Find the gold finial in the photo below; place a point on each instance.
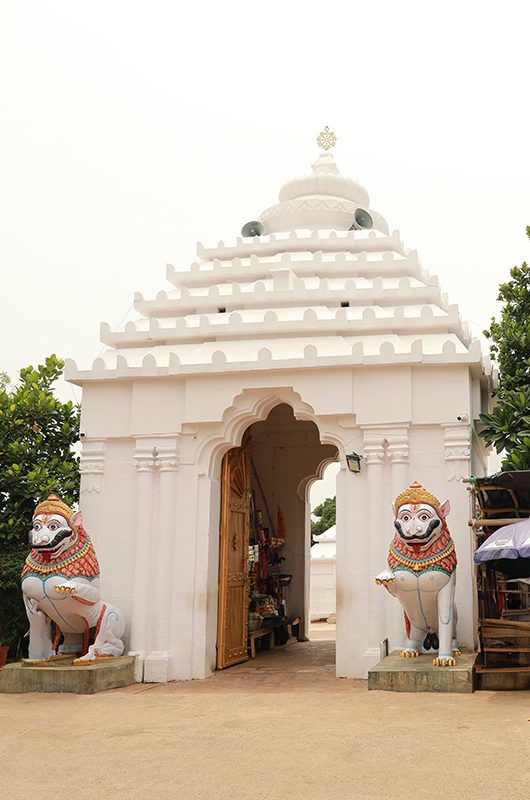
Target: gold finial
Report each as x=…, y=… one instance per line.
x=326, y=139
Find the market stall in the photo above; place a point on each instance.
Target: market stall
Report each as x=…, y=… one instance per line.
x=501, y=525
x=268, y=583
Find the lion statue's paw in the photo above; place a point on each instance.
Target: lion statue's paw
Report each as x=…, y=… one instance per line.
x=444, y=661
x=65, y=588
x=384, y=577
x=409, y=653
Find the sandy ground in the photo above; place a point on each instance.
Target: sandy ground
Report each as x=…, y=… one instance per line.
x=278, y=727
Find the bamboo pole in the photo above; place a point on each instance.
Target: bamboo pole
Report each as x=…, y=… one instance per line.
x=487, y=523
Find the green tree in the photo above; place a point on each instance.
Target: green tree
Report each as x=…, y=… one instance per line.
x=510, y=337
x=507, y=427
x=37, y=435
x=326, y=512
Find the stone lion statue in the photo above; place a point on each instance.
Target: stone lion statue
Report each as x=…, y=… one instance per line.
x=60, y=583
x=422, y=574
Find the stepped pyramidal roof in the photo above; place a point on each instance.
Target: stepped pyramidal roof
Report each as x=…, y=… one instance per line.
x=324, y=284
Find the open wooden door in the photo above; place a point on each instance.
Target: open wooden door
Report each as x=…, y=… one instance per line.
x=233, y=559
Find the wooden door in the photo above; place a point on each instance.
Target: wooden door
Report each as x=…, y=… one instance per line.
x=233, y=559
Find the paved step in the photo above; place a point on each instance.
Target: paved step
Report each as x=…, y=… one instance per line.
x=61, y=677
x=396, y=674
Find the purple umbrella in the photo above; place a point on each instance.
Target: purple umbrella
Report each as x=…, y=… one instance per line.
x=510, y=541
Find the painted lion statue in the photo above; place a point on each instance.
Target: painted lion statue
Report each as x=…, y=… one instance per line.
x=60, y=583
x=422, y=574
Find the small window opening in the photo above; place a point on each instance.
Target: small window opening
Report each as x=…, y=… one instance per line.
x=346, y=304
x=221, y=310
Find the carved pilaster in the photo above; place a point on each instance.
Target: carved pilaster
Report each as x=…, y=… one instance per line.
x=167, y=461
x=92, y=466
x=374, y=447
x=145, y=461
x=374, y=459
x=398, y=446
x=457, y=450
x=157, y=464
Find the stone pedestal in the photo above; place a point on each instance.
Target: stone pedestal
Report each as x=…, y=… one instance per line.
x=396, y=674
x=20, y=678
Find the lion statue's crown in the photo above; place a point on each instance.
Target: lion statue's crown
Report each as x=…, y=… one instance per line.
x=416, y=494
x=54, y=505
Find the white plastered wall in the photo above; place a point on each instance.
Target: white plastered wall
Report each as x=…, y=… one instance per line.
x=151, y=463
x=323, y=582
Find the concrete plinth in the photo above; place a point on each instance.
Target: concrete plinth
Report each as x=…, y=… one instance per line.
x=21, y=678
x=396, y=674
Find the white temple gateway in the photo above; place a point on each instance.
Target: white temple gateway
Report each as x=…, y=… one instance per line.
x=270, y=357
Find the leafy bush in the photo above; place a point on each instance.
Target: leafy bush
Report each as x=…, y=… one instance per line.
x=37, y=434
x=507, y=428
x=326, y=512
x=510, y=337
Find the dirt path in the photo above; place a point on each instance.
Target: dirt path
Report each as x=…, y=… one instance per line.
x=268, y=730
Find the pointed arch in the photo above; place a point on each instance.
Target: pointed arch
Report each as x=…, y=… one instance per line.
x=255, y=405
x=304, y=487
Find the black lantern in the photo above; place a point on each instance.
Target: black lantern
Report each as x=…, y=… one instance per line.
x=353, y=461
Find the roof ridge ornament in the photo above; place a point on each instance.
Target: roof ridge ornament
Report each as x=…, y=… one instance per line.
x=326, y=139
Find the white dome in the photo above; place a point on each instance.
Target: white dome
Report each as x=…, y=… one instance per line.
x=324, y=200
x=325, y=180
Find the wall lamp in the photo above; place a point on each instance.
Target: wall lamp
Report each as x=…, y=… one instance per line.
x=353, y=461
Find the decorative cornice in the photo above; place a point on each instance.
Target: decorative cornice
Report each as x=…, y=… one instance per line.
x=306, y=321
x=284, y=287
x=313, y=203
x=293, y=213
x=297, y=241
x=222, y=357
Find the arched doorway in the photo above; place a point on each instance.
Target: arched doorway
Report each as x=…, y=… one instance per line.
x=323, y=583
x=265, y=531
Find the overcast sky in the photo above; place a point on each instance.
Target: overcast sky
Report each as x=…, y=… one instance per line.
x=130, y=130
